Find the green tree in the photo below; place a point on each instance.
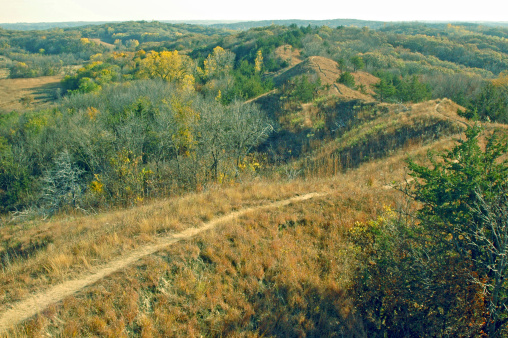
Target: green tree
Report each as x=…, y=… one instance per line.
x=442, y=271
x=347, y=79
x=357, y=62
x=385, y=90
x=465, y=204
x=413, y=90
x=341, y=64
x=491, y=103
x=301, y=89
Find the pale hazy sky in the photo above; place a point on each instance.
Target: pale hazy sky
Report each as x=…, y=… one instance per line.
x=121, y=10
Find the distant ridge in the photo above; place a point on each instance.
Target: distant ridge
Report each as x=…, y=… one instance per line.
x=28, y=26
x=242, y=25
x=333, y=23
x=245, y=25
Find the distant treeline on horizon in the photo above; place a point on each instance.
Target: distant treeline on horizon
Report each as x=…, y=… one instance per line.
x=238, y=25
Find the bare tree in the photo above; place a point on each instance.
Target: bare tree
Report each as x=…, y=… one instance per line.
x=61, y=184
x=490, y=236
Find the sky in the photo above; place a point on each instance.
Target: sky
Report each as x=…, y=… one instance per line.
x=13, y=11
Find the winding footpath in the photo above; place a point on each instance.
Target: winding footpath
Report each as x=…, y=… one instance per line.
x=38, y=302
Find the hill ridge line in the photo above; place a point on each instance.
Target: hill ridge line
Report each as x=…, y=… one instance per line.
x=38, y=302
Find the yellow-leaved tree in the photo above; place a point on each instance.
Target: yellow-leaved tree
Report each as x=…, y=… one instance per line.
x=219, y=63
x=166, y=65
x=186, y=118
x=258, y=63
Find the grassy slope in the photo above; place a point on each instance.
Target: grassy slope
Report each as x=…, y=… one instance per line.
x=41, y=89
x=381, y=130
x=230, y=280
x=269, y=272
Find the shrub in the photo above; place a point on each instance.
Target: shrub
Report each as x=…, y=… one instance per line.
x=347, y=79
x=464, y=209
x=443, y=272
x=62, y=185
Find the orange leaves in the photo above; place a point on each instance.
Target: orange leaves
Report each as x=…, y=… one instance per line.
x=92, y=113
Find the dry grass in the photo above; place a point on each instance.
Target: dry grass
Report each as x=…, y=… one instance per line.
x=288, y=53
x=273, y=272
x=382, y=133
x=73, y=245
x=40, y=89
x=366, y=79
x=328, y=72
x=270, y=272
x=102, y=43
x=4, y=73
x=243, y=278
x=279, y=271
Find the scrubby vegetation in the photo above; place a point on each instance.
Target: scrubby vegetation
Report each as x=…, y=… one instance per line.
x=441, y=270
x=156, y=128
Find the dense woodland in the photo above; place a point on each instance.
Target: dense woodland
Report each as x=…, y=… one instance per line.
x=149, y=109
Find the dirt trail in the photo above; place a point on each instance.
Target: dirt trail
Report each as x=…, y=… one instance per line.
x=38, y=302
x=436, y=109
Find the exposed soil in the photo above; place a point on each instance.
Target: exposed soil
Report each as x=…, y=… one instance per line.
x=100, y=42
x=328, y=72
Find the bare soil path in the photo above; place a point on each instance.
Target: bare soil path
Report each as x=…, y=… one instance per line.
x=38, y=302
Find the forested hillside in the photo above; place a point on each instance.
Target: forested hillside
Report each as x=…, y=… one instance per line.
x=145, y=111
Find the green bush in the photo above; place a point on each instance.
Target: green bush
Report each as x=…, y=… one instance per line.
x=464, y=209
x=14, y=180
x=441, y=272
x=347, y=79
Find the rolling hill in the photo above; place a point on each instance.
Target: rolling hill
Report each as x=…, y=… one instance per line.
x=206, y=182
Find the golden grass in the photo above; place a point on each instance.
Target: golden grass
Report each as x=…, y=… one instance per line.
x=79, y=243
x=4, y=73
x=380, y=134
x=267, y=272
x=41, y=89
x=214, y=272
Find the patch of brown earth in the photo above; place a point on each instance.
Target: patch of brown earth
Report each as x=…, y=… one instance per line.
x=328, y=72
x=288, y=53
x=100, y=42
